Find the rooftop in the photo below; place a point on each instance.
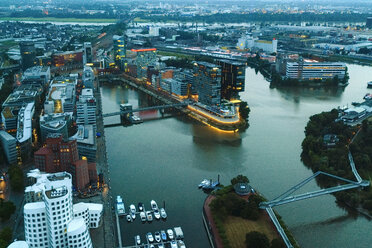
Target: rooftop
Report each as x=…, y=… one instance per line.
x=34, y=205
x=75, y=224
x=55, y=193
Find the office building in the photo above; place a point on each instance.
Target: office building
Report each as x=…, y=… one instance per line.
x=119, y=50
x=28, y=54
x=51, y=221
x=144, y=59
x=9, y=144
x=207, y=79
x=86, y=108
x=179, y=87
x=55, y=124
x=61, y=96
x=88, y=53
x=232, y=79
x=86, y=142
x=9, y=117
x=311, y=69
x=88, y=77
x=80, y=173
x=57, y=155
x=249, y=42
x=68, y=57
x=24, y=129
x=36, y=74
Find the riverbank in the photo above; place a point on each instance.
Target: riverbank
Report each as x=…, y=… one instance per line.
x=55, y=19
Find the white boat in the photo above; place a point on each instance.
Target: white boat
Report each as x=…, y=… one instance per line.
x=204, y=183
x=150, y=238
x=157, y=237
x=143, y=216
x=137, y=239
x=119, y=205
x=129, y=218
x=148, y=215
x=154, y=206
x=181, y=244
x=163, y=213
x=132, y=209
x=157, y=214
x=170, y=233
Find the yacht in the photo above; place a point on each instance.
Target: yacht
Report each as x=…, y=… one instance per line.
x=119, y=205
x=154, y=206
x=170, y=233
x=143, y=216
x=132, y=209
x=163, y=213
x=157, y=214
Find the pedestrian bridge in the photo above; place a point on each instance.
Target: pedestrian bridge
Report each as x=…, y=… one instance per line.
x=287, y=196
x=123, y=112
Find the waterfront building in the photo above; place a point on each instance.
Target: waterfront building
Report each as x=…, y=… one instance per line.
x=207, y=79
x=36, y=75
x=86, y=108
x=144, y=59
x=50, y=220
x=88, y=77
x=9, y=144
x=179, y=87
x=86, y=142
x=55, y=123
x=28, y=54
x=88, y=53
x=232, y=79
x=61, y=96
x=119, y=50
x=311, y=69
x=249, y=42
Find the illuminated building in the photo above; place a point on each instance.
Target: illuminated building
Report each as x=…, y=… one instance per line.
x=248, y=42
x=119, y=50
x=69, y=57
x=52, y=220
x=232, y=79
x=9, y=144
x=207, y=79
x=88, y=53
x=55, y=123
x=28, y=54
x=311, y=69
x=145, y=58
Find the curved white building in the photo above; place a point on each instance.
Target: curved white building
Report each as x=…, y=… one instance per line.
x=78, y=234
x=19, y=244
x=35, y=221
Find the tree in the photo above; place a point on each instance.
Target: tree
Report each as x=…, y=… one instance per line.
x=6, y=235
x=277, y=243
x=6, y=209
x=256, y=240
x=239, y=179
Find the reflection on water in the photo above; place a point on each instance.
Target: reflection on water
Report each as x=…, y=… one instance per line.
x=205, y=135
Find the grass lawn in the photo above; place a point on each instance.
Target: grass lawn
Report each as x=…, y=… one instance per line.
x=236, y=229
x=53, y=19
x=138, y=19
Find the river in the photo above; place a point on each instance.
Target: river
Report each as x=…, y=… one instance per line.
x=165, y=159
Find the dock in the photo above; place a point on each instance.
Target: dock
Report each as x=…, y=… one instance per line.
x=118, y=230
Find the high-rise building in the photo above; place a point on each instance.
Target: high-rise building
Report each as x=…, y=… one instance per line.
x=9, y=146
x=119, y=50
x=207, y=79
x=88, y=53
x=232, y=79
x=28, y=54
x=86, y=108
x=51, y=220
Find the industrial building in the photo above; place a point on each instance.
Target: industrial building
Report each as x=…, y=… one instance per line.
x=207, y=79
x=249, y=42
x=312, y=69
x=52, y=220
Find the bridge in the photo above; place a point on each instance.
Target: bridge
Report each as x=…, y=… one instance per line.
x=287, y=196
x=176, y=105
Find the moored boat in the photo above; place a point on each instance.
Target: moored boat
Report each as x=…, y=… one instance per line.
x=154, y=205
x=143, y=216
x=120, y=209
x=157, y=214
x=163, y=213
x=149, y=216
x=132, y=209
